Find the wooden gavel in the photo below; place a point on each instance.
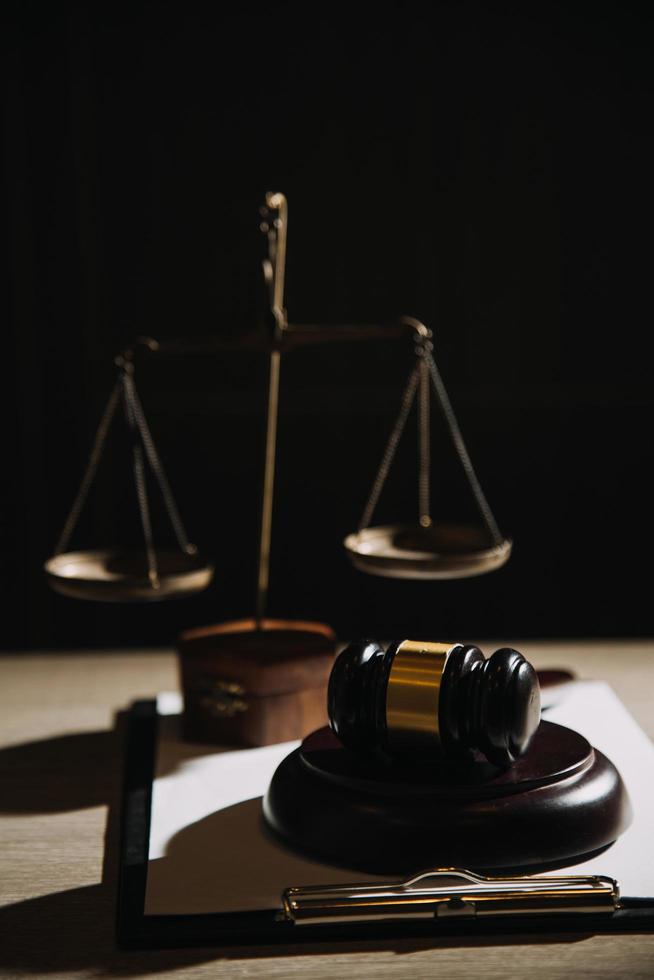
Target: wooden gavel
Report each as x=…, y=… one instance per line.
x=443, y=698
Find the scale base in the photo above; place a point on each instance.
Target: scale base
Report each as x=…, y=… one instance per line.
x=255, y=684
x=562, y=800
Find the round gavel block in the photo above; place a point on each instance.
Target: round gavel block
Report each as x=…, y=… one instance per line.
x=559, y=802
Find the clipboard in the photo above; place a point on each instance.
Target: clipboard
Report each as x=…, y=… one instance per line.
x=265, y=926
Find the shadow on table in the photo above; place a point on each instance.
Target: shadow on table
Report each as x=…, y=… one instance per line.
x=71, y=772
x=75, y=929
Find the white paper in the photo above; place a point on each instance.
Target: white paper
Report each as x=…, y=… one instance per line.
x=209, y=850
x=592, y=709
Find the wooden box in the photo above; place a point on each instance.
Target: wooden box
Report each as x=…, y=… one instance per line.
x=251, y=686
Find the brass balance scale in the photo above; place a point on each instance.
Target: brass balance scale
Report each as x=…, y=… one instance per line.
x=426, y=549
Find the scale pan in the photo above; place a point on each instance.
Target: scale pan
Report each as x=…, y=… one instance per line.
x=122, y=576
x=443, y=551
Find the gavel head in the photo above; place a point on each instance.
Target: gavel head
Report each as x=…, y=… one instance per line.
x=442, y=698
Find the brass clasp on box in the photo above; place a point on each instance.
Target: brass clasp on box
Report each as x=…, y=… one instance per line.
x=222, y=699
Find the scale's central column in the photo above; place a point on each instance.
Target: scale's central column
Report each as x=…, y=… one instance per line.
x=274, y=269
x=263, y=573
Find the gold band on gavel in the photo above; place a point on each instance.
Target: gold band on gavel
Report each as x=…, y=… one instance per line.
x=413, y=691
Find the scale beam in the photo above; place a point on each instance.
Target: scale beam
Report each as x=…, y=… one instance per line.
x=423, y=550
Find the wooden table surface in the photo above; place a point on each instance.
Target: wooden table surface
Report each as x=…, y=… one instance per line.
x=60, y=770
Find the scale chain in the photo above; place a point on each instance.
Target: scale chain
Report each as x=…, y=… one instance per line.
x=391, y=446
x=159, y=472
x=91, y=469
x=459, y=444
x=424, y=446
x=139, y=478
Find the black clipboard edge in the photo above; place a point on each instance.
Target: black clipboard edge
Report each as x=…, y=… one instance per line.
x=262, y=928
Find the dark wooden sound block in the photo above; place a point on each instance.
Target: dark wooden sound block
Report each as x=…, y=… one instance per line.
x=559, y=802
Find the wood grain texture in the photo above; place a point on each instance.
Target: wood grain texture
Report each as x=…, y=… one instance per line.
x=60, y=767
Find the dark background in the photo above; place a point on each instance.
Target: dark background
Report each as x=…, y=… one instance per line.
x=483, y=166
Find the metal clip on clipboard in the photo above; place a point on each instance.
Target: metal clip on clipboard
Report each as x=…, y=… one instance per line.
x=464, y=895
